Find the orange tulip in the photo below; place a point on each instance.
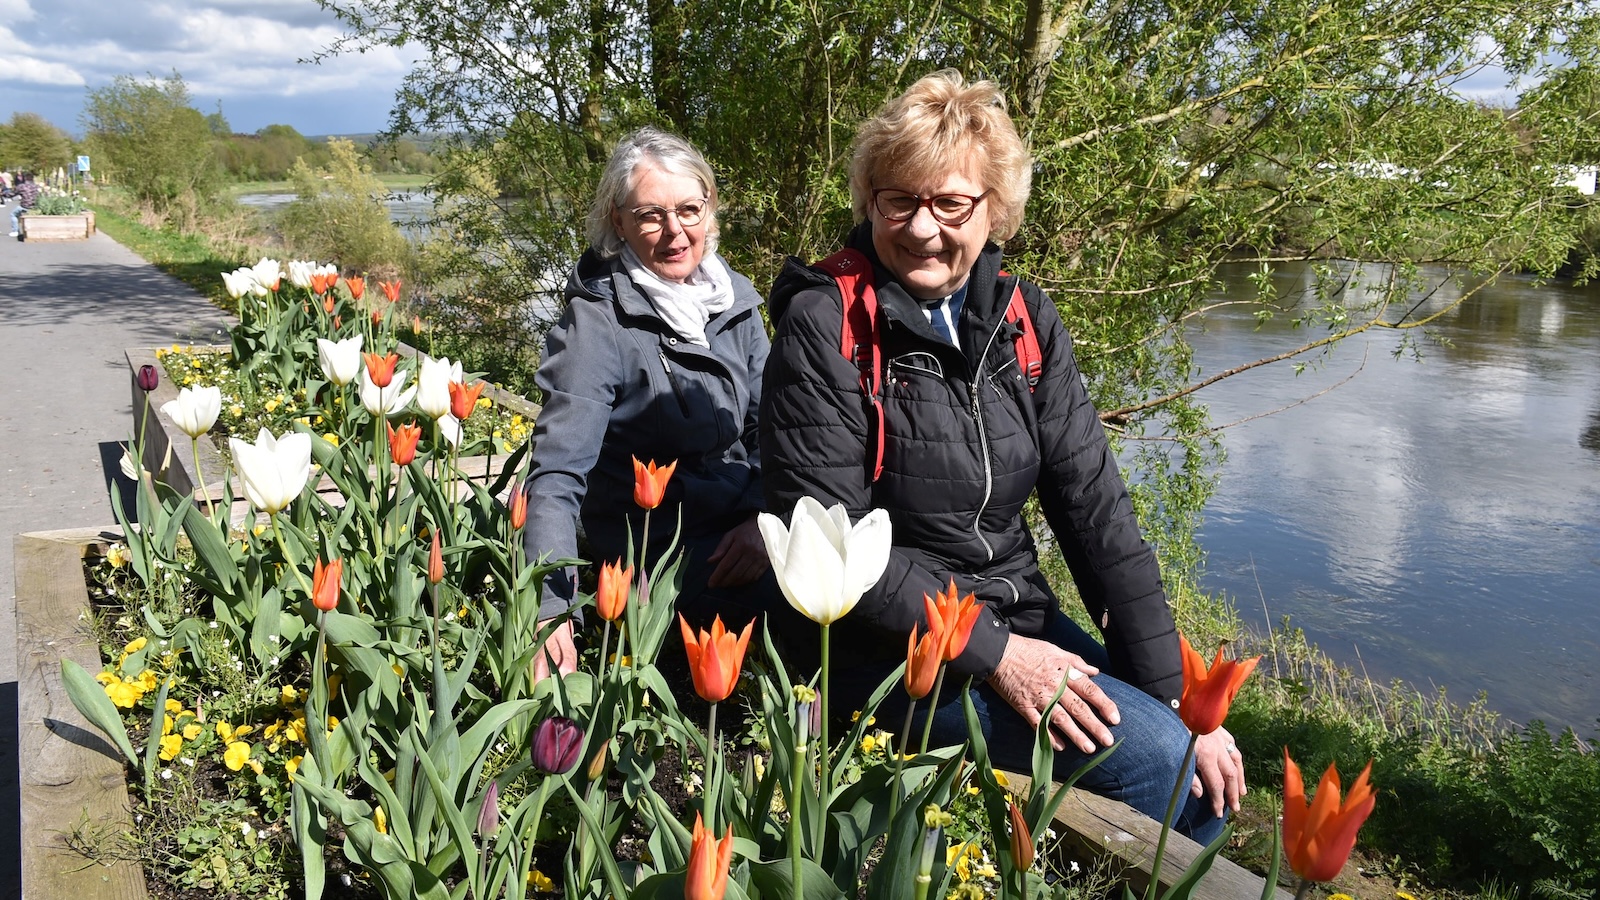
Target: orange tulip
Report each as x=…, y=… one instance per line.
x=403, y=443
x=922, y=662
x=952, y=620
x=323, y=283
x=357, y=286
x=612, y=596
x=463, y=399
x=325, y=584
x=377, y=318
x=380, y=369
x=391, y=290
x=1318, y=839
x=650, y=482
x=707, y=878
x=1021, y=840
x=435, y=560
x=714, y=658
x=1207, y=694
x=327, y=304
x=338, y=321
x=519, y=508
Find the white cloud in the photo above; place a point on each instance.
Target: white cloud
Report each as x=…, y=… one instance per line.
x=37, y=72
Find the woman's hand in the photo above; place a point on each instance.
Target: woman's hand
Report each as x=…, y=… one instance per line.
x=558, y=654
x=740, y=558
x=1030, y=670
x=1218, y=770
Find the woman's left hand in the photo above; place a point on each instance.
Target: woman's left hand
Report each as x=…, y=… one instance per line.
x=740, y=558
x=1218, y=771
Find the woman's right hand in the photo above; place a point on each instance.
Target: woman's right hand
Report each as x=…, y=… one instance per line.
x=559, y=654
x=1028, y=675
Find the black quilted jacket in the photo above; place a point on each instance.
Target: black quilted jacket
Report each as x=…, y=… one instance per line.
x=967, y=443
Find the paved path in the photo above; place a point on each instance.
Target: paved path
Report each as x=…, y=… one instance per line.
x=67, y=312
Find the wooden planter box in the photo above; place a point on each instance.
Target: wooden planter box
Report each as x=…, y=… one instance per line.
x=77, y=227
x=73, y=784
x=167, y=452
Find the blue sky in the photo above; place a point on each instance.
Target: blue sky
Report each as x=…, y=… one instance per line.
x=241, y=53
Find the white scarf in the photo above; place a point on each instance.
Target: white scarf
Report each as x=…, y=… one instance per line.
x=685, y=307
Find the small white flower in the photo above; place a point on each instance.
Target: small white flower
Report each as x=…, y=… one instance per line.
x=213, y=625
x=186, y=760
x=166, y=774
x=244, y=828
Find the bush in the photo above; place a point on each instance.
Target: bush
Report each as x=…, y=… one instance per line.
x=58, y=205
x=339, y=214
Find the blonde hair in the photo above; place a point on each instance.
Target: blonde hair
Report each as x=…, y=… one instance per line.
x=647, y=146
x=942, y=125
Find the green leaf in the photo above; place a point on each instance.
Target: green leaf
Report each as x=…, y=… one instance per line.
x=775, y=878
x=1185, y=885
x=212, y=550
x=91, y=700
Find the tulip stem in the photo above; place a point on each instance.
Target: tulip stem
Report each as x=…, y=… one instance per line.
x=288, y=555
x=899, y=763
x=797, y=779
x=712, y=757
x=1304, y=890
x=933, y=707
x=826, y=752
x=194, y=449
x=1166, y=823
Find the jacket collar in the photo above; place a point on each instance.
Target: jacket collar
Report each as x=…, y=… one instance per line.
x=982, y=310
x=598, y=278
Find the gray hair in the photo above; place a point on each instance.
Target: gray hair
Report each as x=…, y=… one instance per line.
x=667, y=152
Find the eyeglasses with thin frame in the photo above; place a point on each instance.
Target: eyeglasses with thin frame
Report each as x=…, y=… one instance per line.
x=651, y=219
x=896, y=205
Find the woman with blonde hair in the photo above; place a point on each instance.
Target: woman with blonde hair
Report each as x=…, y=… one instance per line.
x=966, y=417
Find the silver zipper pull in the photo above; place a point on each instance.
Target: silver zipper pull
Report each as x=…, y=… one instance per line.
x=666, y=366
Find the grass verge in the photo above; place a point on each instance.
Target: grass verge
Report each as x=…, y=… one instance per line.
x=194, y=259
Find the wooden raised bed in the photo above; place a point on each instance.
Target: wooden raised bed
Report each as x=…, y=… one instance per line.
x=73, y=785
x=167, y=452
x=76, y=227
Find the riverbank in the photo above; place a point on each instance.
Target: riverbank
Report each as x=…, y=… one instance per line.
x=1458, y=790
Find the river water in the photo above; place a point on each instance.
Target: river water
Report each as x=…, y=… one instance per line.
x=1441, y=517
x=407, y=208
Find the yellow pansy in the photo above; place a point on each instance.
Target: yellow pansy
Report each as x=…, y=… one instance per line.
x=271, y=405
x=1000, y=778
x=147, y=680
x=166, y=724
x=175, y=707
x=985, y=871
x=118, y=555
x=106, y=677
x=236, y=410
x=869, y=744
x=540, y=882
x=236, y=755
x=191, y=731
x=123, y=693
x=288, y=696
x=171, y=746
x=292, y=765
x=331, y=438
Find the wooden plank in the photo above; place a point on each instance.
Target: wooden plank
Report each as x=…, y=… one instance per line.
x=72, y=780
x=1093, y=827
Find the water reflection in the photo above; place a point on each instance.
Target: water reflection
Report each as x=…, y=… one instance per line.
x=1443, y=513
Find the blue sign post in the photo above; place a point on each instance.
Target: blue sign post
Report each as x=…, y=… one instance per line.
x=83, y=164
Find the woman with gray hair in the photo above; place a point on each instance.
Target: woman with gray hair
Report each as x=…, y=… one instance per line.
x=658, y=355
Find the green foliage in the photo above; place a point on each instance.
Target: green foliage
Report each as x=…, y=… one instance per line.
x=53, y=204
x=30, y=142
x=148, y=137
x=339, y=214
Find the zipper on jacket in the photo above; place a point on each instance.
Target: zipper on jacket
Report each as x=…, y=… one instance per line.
x=677, y=390
x=976, y=392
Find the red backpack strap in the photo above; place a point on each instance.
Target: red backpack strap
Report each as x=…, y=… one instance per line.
x=859, y=339
x=1029, y=359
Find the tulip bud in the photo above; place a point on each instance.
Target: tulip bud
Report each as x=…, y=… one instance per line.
x=327, y=304
x=1021, y=841
x=934, y=821
x=557, y=741
x=489, y=815
x=325, y=585
x=435, y=560
x=519, y=508
x=403, y=443
x=148, y=378
x=597, y=766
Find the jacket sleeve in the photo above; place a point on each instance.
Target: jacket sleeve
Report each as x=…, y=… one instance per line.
x=1086, y=504
x=579, y=379
x=758, y=348
x=814, y=434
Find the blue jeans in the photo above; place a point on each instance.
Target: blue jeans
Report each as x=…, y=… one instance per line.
x=1140, y=772
x=16, y=213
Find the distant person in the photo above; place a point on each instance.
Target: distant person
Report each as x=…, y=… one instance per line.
x=27, y=198
x=5, y=183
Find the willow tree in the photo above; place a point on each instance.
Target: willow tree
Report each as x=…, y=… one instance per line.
x=1170, y=138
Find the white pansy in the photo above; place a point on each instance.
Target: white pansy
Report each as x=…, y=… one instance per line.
x=274, y=470
x=340, y=360
x=433, y=386
x=195, y=410
x=823, y=563
x=385, y=401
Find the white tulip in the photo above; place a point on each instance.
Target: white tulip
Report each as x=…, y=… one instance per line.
x=300, y=272
x=433, y=386
x=274, y=470
x=268, y=273
x=340, y=360
x=195, y=410
x=823, y=564
x=238, y=282
x=450, y=427
x=385, y=401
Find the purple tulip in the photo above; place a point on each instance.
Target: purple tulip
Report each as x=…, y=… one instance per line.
x=489, y=815
x=557, y=741
x=148, y=378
